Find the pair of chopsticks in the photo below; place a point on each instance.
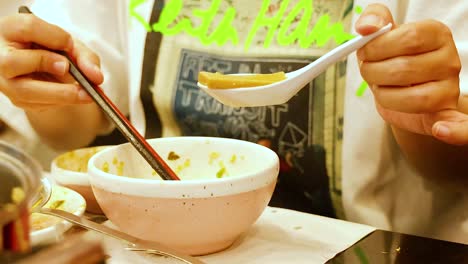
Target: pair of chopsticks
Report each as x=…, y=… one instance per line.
x=122, y=123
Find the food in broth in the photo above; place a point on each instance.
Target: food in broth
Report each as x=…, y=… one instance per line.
x=179, y=164
x=172, y=156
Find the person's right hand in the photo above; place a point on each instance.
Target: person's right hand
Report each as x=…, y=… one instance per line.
x=413, y=72
x=32, y=76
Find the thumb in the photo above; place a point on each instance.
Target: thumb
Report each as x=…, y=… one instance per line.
x=455, y=133
x=373, y=18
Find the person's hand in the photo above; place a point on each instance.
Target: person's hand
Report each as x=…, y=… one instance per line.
x=32, y=76
x=413, y=72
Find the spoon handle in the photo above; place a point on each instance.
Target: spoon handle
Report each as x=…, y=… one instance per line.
x=135, y=243
x=312, y=70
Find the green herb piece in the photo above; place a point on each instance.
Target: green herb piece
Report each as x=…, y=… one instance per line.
x=233, y=158
x=173, y=156
x=57, y=204
x=221, y=172
x=213, y=156
x=105, y=167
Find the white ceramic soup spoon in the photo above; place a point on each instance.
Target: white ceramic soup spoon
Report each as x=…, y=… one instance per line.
x=280, y=92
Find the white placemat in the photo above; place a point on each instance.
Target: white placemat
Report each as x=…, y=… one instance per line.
x=279, y=236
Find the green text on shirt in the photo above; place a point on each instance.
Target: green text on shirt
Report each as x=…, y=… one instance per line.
x=278, y=24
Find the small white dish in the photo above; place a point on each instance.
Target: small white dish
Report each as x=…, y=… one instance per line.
x=47, y=229
x=280, y=92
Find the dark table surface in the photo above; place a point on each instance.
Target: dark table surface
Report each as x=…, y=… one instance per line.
x=384, y=247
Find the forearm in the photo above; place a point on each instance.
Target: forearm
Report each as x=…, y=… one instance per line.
x=68, y=127
x=437, y=161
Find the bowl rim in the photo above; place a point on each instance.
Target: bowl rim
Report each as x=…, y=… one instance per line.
x=57, y=172
x=72, y=177
x=210, y=187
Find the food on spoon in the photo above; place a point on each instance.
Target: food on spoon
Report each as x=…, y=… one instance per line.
x=221, y=81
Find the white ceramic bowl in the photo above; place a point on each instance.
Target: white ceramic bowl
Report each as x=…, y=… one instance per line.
x=226, y=184
x=70, y=170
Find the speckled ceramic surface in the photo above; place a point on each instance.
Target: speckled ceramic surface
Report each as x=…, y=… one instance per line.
x=226, y=184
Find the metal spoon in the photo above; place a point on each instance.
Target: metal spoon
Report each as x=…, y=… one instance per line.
x=135, y=244
x=281, y=92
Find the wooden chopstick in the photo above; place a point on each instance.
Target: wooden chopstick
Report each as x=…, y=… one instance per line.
x=122, y=123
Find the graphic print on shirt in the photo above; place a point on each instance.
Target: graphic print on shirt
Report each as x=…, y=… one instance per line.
x=152, y=46
x=306, y=132
x=296, y=130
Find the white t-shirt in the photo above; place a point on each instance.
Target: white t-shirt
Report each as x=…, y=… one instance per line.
x=325, y=131
x=379, y=187
x=306, y=143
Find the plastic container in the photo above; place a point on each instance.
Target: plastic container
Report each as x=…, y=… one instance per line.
x=19, y=182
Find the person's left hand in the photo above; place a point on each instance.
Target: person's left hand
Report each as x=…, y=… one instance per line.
x=35, y=78
x=413, y=72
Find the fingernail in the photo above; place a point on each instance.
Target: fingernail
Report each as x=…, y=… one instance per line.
x=97, y=69
x=60, y=67
x=83, y=95
x=371, y=20
x=442, y=131
x=91, y=66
